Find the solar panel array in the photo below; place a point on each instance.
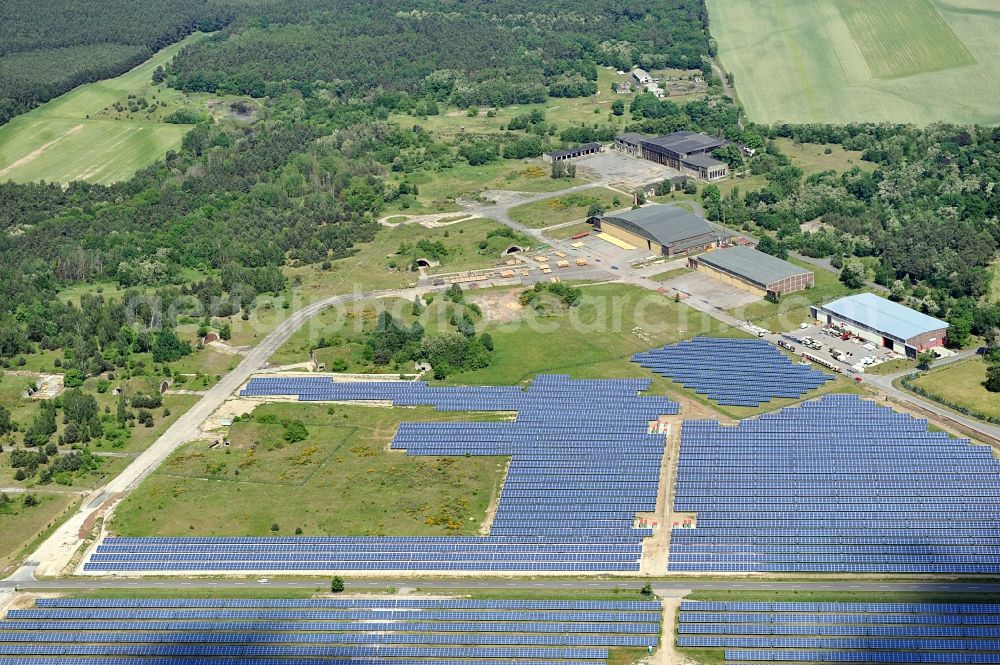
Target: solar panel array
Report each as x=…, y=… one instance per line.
x=371, y=630
x=843, y=632
x=837, y=484
x=733, y=372
x=583, y=463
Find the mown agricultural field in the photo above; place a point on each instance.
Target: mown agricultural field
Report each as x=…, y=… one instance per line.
x=838, y=61
x=78, y=136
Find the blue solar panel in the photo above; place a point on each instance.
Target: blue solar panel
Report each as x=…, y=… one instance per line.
x=837, y=484
x=843, y=632
x=576, y=479
x=733, y=372
x=388, y=631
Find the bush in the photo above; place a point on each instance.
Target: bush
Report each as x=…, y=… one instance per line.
x=183, y=117
x=336, y=584
x=295, y=431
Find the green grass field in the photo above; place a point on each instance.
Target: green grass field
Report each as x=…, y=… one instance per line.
x=73, y=137
x=566, y=208
x=369, y=268
x=594, y=340
x=341, y=480
x=903, y=37
x=22, y=524
x=962, y=383
x=994, y=294
x=842, y=61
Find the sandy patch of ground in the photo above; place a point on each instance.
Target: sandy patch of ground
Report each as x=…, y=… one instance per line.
x=499, y=307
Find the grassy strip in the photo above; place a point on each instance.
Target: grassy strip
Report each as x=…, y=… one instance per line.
x=670, y=274
x=910, y=383
x=624, y=593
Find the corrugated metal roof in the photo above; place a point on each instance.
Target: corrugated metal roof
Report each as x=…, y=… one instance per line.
x=685, y=142
x=752, y=264
x=885, y=316
x=663, y=224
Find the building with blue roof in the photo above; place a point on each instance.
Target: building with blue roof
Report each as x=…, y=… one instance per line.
x=883, y=322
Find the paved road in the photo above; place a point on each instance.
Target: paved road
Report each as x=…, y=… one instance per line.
x=55, y=552
x=662, y=586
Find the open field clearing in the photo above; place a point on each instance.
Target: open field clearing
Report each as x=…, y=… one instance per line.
x=841, y=61
x=902, y=37
x=962, y=383
x=73, y=137
x=20, y=524
x=378, y=265
x=566, y=208
x=340, y=480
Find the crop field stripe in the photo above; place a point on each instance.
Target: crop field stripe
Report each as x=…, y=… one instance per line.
x=899, y=38
x=843, y=61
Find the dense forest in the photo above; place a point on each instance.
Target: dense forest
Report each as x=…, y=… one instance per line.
x=486, y=53
x=48, y=48
x=469, y=52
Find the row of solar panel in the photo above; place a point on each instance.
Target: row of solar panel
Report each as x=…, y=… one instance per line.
x=885, y=643
x=835, y=607
x=368, y=638
x=384, y=651
x=733, y=655
x=813, y=567
x=326, y=540
x=485, y=547
x=206, y=564
x=862, y=630
x=366, y=602
x=886, y=548
x=680, y=540
x=193, y=660
x=374, y=557
x=396, y=626
x=792, y=619
x=342, y=615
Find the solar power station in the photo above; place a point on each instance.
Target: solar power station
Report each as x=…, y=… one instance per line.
x=837, y=484
x=583, y=463
x=733, y=372
x=843, y=632
x=355, y=631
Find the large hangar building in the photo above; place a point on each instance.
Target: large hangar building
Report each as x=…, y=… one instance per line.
x=883, y=322
x=663, y=229
x=754, y=271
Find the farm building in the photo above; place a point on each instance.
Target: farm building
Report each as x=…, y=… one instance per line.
x=573, y=153
x=642, y=76
x=884, y=322
x=754, y=271
x=686, y=151
x=663, y=229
